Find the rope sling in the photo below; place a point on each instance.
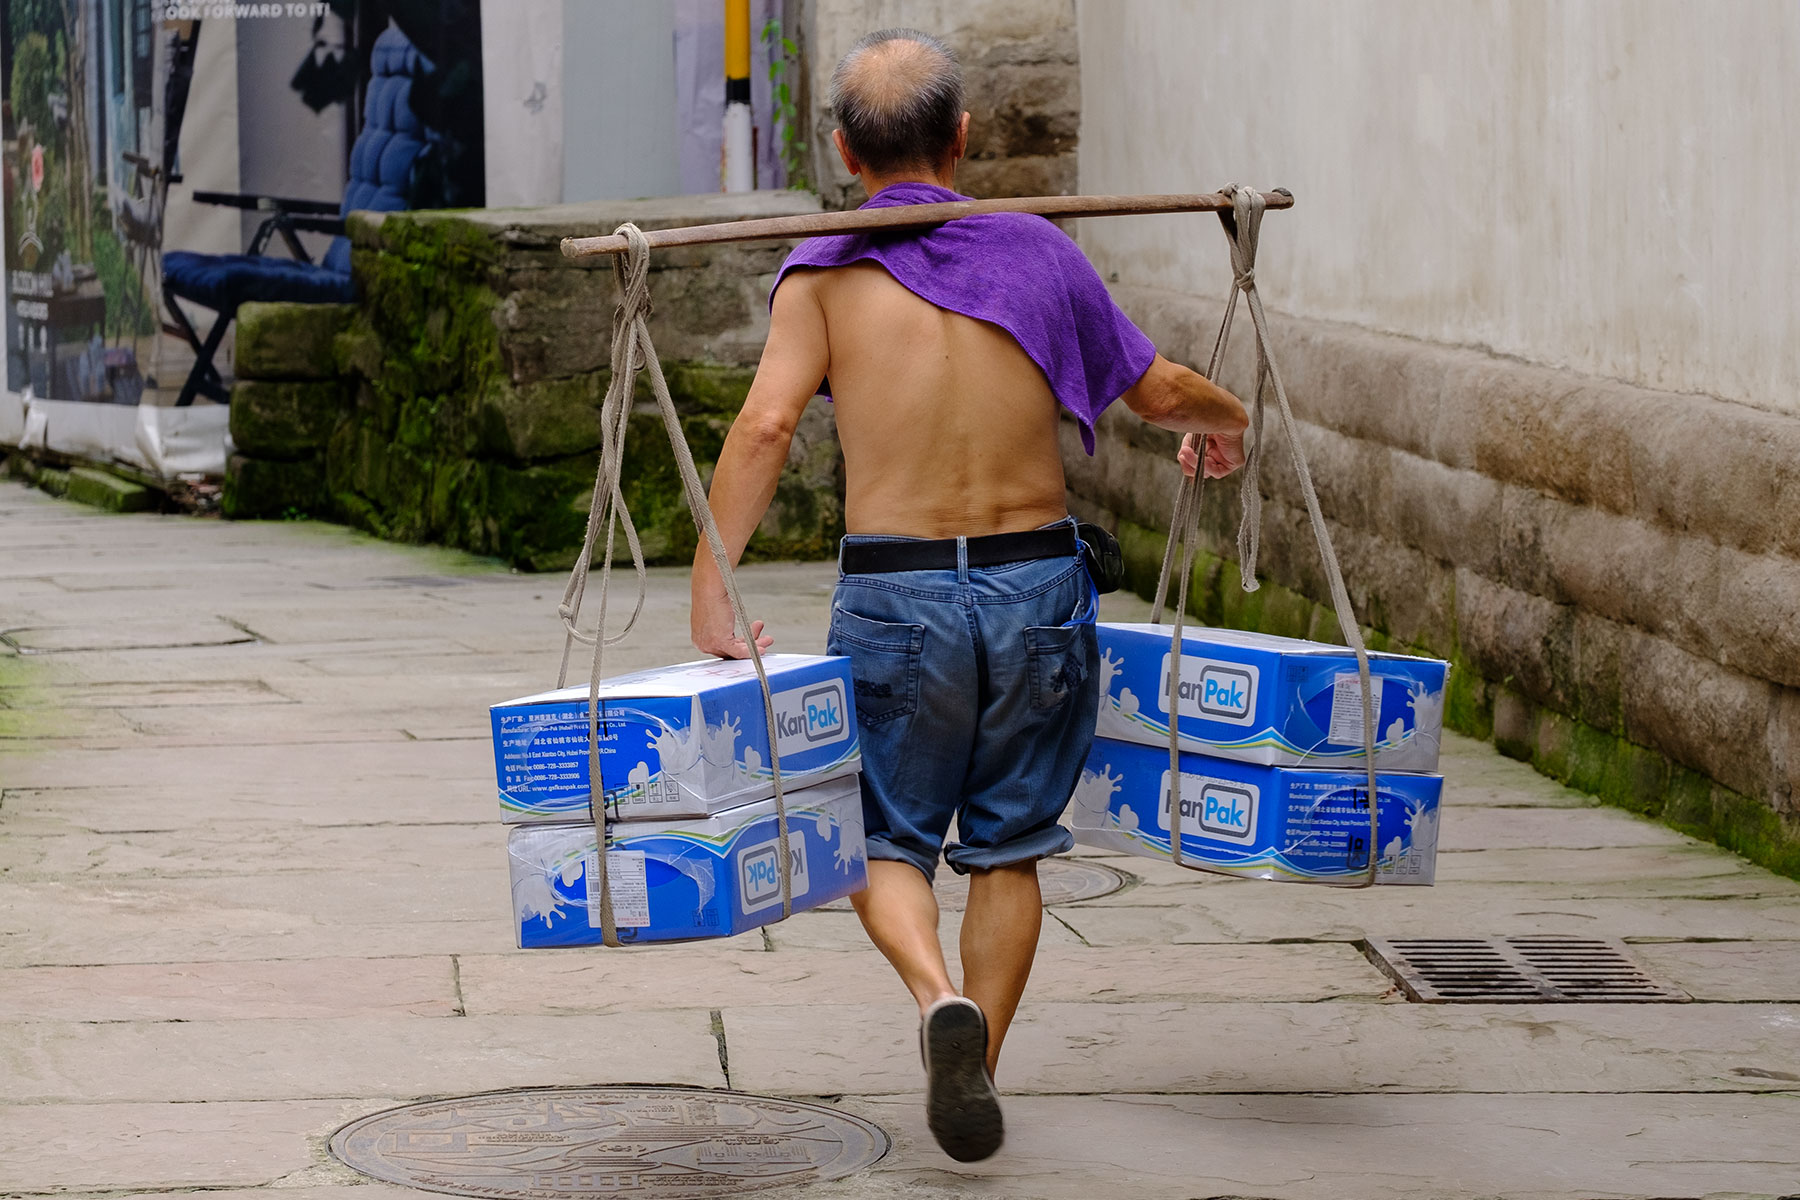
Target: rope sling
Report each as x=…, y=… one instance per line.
x=633, y=352
x=1243, y=225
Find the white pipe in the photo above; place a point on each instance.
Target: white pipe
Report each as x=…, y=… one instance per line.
x=740, y=166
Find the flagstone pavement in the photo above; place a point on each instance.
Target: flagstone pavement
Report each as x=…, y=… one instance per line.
x=252, y=886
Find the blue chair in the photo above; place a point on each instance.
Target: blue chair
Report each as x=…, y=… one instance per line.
x=385, y=162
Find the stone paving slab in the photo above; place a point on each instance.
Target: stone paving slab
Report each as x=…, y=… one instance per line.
x=1279, y=1047
x=354, y=767
x=254, y=990
x=1491, y=828
x=1518, y=1146
x=243, y=847
x=1246, y=912
x=162, y=1146
x=729, y=977
x=1729, y=971
x=242, y=903
x=124, y=809
x=1618, y=864
x=50, y=1062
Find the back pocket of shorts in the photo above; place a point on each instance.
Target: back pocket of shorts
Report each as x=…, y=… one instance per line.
x=884, y=664
x=1058, y=656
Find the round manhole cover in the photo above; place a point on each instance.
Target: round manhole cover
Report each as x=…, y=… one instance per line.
x=649, y=1142
x=1066, y=880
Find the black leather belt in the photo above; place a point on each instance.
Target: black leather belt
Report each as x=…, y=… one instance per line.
x=939, y=554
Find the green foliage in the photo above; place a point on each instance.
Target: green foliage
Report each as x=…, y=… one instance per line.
x=36, y=73
x=120, y=280
x=783, y=54
x=45, y=18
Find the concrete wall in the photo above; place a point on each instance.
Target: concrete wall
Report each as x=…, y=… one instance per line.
x=1613, y=565
x=1019, y=58
x=1608, y=187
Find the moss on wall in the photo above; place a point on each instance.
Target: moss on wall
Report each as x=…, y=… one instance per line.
x=1588, y=759
x=415, y=429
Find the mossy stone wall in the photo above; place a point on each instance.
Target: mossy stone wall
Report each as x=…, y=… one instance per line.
x=1614, y=574
x=457, y=401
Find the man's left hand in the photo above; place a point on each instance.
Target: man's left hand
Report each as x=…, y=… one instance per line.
x=715, y=631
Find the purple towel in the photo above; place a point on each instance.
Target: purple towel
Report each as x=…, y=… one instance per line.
x=1013, y=270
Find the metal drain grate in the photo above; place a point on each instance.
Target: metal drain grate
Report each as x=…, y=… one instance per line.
x=1537, y=969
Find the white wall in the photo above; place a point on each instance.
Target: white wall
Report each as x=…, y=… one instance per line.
x=522, y=101
x=1611, y=187
x=623, y=139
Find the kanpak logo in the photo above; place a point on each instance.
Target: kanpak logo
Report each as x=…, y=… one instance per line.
x=810, y=716
x=759, y=873
x=1216, y=808
x=1212, y=690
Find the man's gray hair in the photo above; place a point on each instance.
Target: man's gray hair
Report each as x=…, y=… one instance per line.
x=898, y=96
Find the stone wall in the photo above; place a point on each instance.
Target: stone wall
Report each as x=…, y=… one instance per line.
x=1022, y=67
x=458, y=400
x=1614, y=572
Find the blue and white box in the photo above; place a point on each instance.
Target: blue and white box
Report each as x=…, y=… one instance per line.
x=681, y=741
x=1280, y=701
x=1255, y=821
x=677, y=880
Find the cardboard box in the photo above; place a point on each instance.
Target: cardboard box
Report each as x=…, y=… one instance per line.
x=680, y=741
x=1256, y=821
x=1272, y=700
x=677, y=880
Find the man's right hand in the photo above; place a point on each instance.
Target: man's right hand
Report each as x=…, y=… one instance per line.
x=1224, y=454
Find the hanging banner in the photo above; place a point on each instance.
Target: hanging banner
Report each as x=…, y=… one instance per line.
x=165, y=163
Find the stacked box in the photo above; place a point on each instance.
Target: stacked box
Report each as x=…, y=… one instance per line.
x=684, y=741
x=697, y=878
x=1261, y=822
x=1270, y=700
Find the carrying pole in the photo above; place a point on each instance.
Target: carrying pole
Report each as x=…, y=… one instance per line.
x=912, y=216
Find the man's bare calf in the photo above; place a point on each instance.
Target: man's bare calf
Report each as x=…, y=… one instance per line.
x=999, y=938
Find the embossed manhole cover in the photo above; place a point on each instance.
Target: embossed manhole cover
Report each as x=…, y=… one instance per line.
x=649, y=1142
x=1066, y=880
x=1062, y=881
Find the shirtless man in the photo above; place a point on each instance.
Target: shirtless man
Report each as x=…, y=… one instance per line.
x=963, y=603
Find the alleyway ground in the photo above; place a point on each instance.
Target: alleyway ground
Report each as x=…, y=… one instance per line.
x=252, y=885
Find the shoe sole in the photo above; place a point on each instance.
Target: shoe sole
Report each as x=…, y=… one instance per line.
x=961, y=1107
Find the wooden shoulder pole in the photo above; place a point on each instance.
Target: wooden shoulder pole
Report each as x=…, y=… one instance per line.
x=911, y=216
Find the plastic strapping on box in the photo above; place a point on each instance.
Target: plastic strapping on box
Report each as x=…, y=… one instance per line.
x=632, y=352
x=1243, y=223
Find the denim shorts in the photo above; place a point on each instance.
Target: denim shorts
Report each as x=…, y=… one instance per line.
x=976, y=693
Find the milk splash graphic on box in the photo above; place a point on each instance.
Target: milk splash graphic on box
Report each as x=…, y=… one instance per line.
x=1272, y=700
x=1260, y=822
x=694, y=878
x=686, y=740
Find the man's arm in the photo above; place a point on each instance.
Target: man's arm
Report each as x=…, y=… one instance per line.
x=794, y=360
x=1174, y=397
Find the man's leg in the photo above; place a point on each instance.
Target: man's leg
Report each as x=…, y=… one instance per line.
x=900, y=914
x=999, y=941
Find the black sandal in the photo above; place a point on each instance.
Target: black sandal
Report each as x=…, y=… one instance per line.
x=962, y=1108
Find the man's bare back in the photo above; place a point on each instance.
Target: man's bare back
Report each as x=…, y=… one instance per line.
x=948, y=427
